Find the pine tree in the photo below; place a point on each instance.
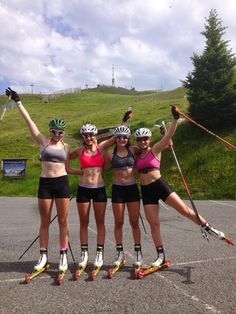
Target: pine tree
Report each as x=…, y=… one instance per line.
x=211, y=87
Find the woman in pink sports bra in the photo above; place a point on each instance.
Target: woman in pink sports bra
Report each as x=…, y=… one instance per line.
x=154, y=187
x=53, y=182
x=92, y=189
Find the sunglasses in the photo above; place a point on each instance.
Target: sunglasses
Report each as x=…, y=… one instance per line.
x=124, y=137
x=87, y=135
x=145, y=138
x=57, y=132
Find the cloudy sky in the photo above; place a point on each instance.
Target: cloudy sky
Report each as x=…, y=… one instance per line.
x=55, y=45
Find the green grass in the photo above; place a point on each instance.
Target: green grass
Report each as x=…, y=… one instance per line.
x=208, y=165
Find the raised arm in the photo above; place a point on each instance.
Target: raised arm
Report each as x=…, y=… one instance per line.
x=39, y=138
x=111, y=141
x=166, y=140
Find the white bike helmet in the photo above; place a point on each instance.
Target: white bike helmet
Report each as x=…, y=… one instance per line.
x=122, y=130
x=142, y=132
x=88, y=128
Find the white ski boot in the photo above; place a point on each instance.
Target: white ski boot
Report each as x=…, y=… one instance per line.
x=43, y=259
x=214, y=232
x=138, y=256
x=63, y=263
x=99, y=259
x=160, y=258
x=83, y=259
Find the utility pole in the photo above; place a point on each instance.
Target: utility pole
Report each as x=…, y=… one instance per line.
x=32, y=88
x=113, y=76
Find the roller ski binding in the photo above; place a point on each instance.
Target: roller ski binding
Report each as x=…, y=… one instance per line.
x=63, y=266
x=138, y=260
x=219, y=234
x=39, y=268
x=120, y=262
x=98, y=264
x=152, y=269
x=82, y=264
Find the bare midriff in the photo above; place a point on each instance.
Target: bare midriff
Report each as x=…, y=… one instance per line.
x=150, y=177
x=52, y=169
x=124, y=176
x=92, y=176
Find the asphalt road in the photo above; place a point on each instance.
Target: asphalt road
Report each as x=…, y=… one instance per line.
x=202, y=277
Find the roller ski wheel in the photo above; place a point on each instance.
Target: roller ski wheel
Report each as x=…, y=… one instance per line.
x=94, y=273
x=60, y=277
x=79, y=272
x=137, y=270
x=145, y=272
x=115, y=269
x=35, y=274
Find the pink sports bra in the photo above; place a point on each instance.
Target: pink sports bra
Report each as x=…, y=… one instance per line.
x=148, y=163
x=87, y=161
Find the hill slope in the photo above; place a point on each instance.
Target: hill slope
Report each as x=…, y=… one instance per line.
x=208, y=165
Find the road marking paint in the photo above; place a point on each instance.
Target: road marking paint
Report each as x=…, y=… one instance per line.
x=194, y=298
x=223, y=203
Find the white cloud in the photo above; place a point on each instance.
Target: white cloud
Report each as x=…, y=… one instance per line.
x=58, y=44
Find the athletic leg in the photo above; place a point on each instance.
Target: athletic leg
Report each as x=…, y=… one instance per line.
x=152, y=215
x=63, y=205
x=118, y=212
x=99, y=213
x=45, y=210
x=83, y=211
x=175, y=201
x=134, y=211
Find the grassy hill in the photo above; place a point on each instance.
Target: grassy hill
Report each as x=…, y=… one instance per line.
x=208, y=165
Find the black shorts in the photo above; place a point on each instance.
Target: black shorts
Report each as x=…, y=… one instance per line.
x=50, y=188
x=85, y=195
x=125, y=193
x=152, y=192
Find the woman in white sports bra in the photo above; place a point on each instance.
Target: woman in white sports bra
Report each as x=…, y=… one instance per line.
x=53, y=182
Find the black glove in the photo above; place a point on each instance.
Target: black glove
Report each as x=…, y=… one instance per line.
x=12, y=94
x=127, y=116
x=162, y=130
x=175, y=112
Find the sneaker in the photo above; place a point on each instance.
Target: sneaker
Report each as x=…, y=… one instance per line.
x=43, y=259
x=83, y=259
x=99, y=259
x=63, y=264
x=138, y=256
x=214, y=232
x=119, y=258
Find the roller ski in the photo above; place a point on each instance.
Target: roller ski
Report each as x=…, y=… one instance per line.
x=63, y=266
x=98, y=263
x=138, y=260
x=218, y=234
x=40, y=267
x=36, y=273
x=120, y=261
x=82, y=264
x=152, y=269
x=111, y=272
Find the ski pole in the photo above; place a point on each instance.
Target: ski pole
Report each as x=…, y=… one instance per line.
x=205, y=129
x=204, y=234
x=38, y=238
x=129, y=125
x=143, y=223
x=72, y=255
x=34, y=241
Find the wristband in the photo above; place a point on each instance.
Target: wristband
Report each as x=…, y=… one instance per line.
x=18, y=103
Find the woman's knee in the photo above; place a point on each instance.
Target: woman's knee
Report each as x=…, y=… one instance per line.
x=63, y=222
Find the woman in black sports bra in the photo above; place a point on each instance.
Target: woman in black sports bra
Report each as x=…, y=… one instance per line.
x=53, y=182
x=125, y=191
